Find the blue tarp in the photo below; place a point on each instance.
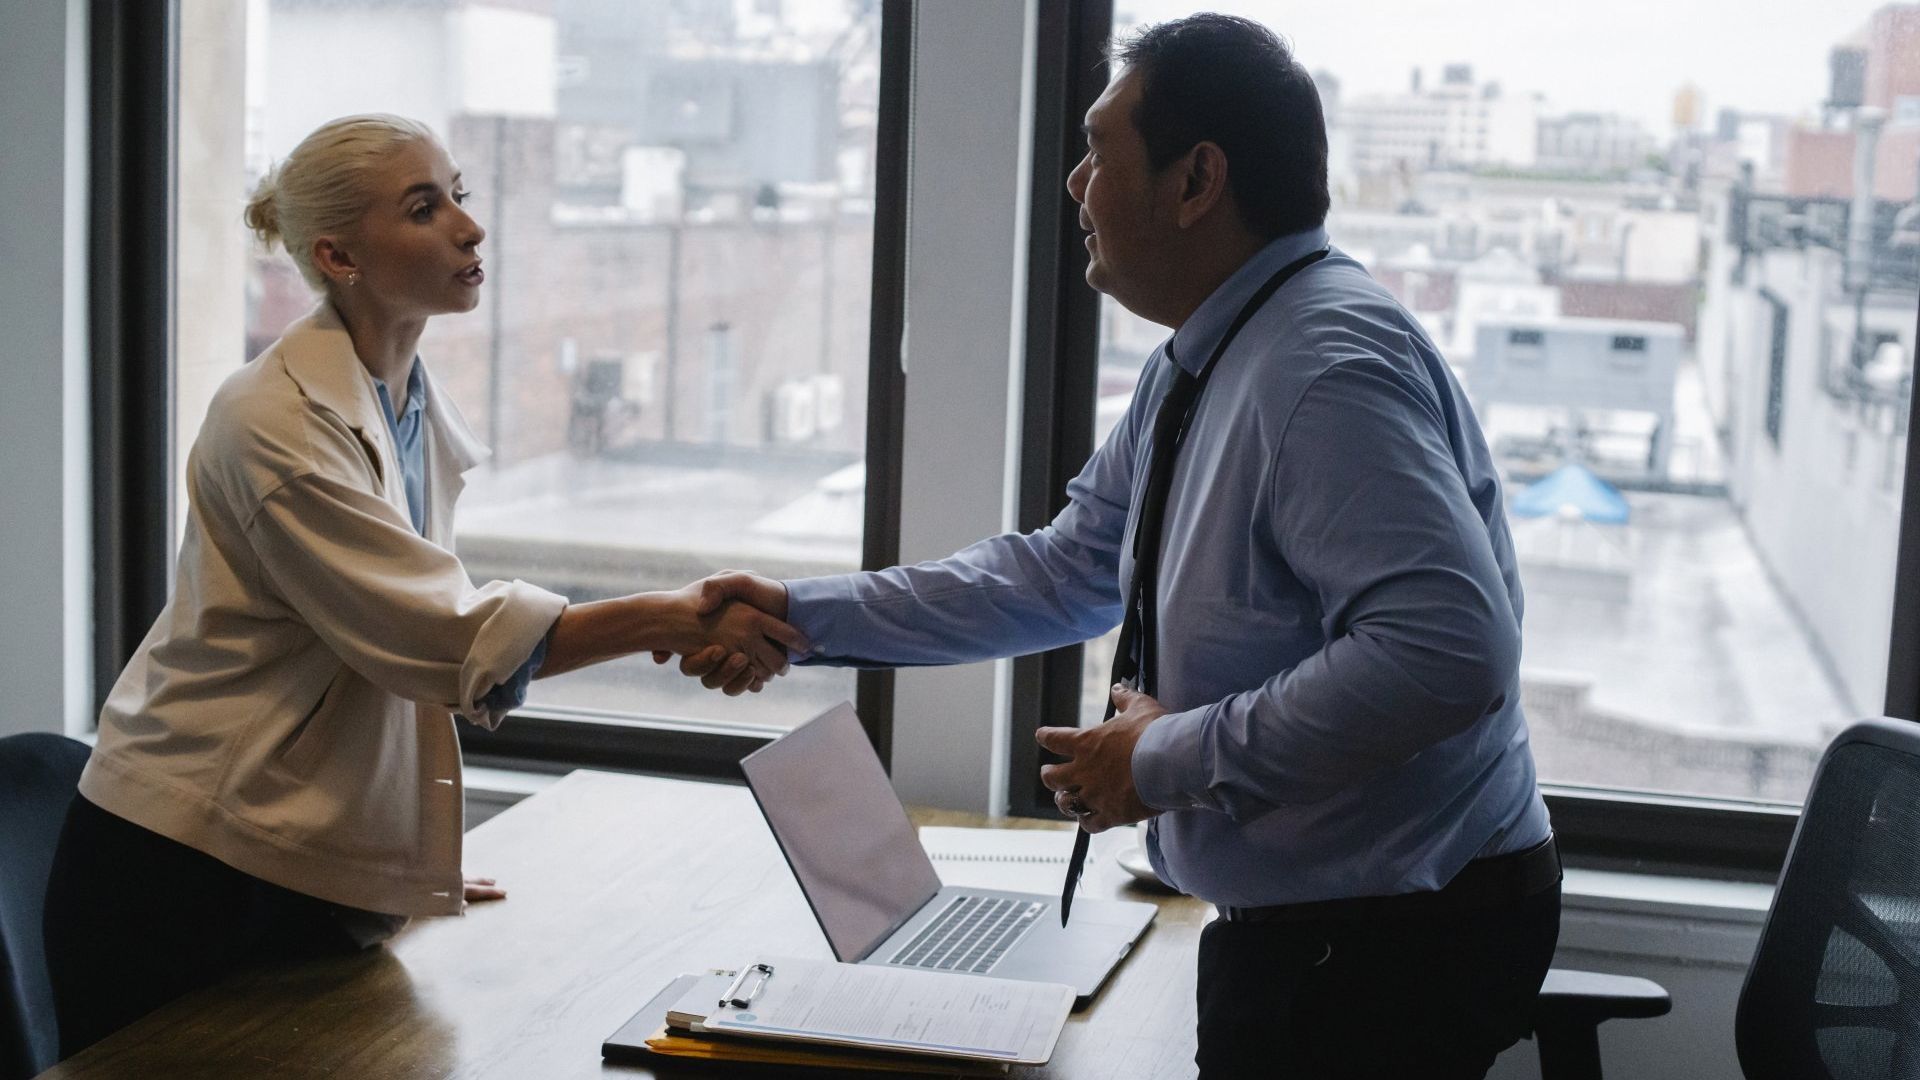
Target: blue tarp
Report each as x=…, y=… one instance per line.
x=1572, y=486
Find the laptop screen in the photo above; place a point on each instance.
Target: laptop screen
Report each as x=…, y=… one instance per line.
x=844, y=832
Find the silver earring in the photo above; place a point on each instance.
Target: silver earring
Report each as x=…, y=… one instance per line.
x=353, y=278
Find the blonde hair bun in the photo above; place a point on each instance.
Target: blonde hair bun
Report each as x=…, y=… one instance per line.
x=327, y=183
x=262, y=216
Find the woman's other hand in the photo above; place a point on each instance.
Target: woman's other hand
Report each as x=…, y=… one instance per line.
x=482, y=888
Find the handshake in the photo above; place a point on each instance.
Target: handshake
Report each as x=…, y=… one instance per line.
x=737, y=636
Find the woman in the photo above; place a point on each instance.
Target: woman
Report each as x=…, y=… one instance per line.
x=277, y=773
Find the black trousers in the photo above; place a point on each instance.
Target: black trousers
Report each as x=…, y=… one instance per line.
x=135, y=919
x=1435, y=997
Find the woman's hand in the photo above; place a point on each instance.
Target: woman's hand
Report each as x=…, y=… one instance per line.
x=715, y=666
x=748, y=643
x=482, y=888
x=755, y=643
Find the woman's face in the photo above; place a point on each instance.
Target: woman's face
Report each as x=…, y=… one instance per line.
x=415, y=248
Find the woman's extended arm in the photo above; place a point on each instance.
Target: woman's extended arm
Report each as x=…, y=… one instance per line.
x=600, y=630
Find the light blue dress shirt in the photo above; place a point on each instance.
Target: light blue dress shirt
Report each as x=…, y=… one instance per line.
x=406, y=431
x=1339, y=637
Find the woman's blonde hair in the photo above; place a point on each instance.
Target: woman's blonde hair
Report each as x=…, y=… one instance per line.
x=323, y=185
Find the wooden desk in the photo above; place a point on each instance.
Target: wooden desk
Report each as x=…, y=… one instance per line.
x=615, y=884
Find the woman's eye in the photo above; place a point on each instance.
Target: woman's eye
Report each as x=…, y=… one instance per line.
x=460, y=197
x=423, y=212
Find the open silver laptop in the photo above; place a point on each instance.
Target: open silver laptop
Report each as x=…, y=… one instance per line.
x=876, y=894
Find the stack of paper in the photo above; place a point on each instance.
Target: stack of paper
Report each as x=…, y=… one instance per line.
x=1018, y=860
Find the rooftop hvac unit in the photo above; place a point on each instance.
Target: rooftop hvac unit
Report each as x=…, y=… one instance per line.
x=796, y=413
x=830, y=399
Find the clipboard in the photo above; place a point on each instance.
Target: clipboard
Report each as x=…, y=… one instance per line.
x=647, y=1039
x=895, y=1010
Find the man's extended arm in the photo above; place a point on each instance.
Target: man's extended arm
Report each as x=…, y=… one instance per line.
x=1008, y=595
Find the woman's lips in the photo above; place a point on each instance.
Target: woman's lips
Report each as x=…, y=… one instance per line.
x=472, y=275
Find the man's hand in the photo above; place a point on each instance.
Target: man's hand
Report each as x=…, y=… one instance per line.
x=1095, y=784
x=715, y=666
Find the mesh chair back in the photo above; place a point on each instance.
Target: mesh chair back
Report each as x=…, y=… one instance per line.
x=38, y=776
x=1834, y=989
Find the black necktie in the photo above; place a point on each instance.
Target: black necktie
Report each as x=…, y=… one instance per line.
x=1133, y=655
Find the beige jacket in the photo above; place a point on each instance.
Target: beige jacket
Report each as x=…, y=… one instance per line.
x=291, y=711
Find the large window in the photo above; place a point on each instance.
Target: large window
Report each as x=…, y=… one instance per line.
x=1639, y=253
x=670, y=359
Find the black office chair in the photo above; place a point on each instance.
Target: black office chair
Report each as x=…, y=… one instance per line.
x=38, y=776
x=1833, y=992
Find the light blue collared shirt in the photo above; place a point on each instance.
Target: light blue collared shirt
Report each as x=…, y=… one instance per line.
x=1339, y=606
x=409, y=448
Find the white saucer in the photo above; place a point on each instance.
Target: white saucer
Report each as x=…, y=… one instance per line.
x=1134, y=861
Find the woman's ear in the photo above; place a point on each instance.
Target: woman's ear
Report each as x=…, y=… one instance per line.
x=334, y=261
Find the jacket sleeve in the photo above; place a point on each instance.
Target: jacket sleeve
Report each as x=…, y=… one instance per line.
x=394, y=606
x=1371, y=513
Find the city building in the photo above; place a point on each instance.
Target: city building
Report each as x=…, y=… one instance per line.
x=1587, y=143
x=1458, y=123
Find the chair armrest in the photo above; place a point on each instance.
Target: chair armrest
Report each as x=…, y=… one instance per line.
x=1589, y=997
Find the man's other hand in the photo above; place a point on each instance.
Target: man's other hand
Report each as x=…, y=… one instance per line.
x=1095, y=783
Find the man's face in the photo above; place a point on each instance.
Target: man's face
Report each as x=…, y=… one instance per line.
x=1119, y=197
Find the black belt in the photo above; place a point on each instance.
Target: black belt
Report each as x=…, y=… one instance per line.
x=1483, y=883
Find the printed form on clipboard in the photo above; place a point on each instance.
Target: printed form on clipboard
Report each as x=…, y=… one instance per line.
x=883, y=1008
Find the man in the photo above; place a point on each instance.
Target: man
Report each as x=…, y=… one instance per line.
x=1333, y=751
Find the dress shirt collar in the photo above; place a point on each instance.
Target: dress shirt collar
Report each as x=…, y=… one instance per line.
x=416, y=399
x=1194, y=342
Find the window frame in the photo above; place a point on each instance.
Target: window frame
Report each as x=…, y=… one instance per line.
x=1597, y=827
x=133, y=64
x=134, y=69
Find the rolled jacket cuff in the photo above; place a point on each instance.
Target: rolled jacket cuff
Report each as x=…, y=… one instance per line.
x=521, y=617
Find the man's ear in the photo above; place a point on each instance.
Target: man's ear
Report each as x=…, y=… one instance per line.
x=1204, y=183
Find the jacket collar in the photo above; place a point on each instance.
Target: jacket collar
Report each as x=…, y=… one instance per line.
x=319, y=357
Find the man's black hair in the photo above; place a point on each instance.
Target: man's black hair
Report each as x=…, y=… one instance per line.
x=1233, y=82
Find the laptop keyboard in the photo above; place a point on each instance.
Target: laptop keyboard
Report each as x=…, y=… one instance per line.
x=971, y=934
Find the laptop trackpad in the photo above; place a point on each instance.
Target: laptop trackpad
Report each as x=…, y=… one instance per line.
x=1081, y=958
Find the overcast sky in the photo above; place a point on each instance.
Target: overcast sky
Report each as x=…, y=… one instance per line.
x=1626, y=56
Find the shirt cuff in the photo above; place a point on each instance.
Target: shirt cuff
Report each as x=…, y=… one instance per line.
x=511, y=694
x=1169, y=770
x=813, y=607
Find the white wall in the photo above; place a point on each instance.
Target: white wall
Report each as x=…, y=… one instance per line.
x=211, y=190
x=45, y=639
x=967, y=234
